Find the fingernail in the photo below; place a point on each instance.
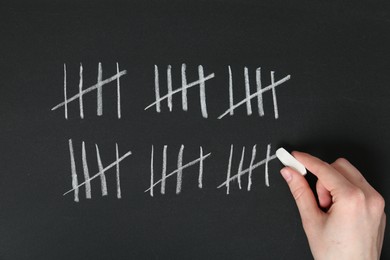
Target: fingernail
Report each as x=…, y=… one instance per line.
x=286, y=174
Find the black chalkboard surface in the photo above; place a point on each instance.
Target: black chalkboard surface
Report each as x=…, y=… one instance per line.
x=148, y=129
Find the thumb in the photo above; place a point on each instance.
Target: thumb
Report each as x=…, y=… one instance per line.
x=303, y=195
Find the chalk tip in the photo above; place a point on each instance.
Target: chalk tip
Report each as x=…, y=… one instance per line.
x=288, y=160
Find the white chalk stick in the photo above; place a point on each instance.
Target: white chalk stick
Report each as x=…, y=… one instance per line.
x=288, y=160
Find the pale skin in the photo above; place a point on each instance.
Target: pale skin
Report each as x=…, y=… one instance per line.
x=353, y=222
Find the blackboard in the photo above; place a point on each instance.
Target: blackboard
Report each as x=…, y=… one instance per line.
x=324, y=74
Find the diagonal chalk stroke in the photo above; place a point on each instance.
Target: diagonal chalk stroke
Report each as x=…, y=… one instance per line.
x=257, y=93
x=247, y=170
x=201, y=158
x=117, y=161
x=192, y=84
x=87, y=90
x=254, y=166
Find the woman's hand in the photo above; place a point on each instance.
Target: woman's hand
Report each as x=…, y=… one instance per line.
x=354, y=223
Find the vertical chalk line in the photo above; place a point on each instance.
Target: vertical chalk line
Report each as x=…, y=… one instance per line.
x=251, y=168
x=81, y=92
x=164, y=170
x=151, y=172
x=118, y=182
x=202, y=92
x=229, y=170
x=86, y=172
x=179, y=174
x=247, y=93
x=102, y=176
x=157, y=89
x=266, y=176
x=240, y=166
x=182, y=168
x=100, y=90
x=184, y=87
x=74, y=173
x=231, y=91
x=118, y=92
x=200, y=176
x=100, y=172
x=65, y=95
x=260, y=105
x=273, y=85
x=169, y=86
x=274, y=96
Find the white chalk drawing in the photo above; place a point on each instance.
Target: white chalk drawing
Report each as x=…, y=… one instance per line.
x=248, y=170
x=180, y=166
x=99, y=90
x=178, y=171
x=183, y=89
x=101, y=173
x=258, y=94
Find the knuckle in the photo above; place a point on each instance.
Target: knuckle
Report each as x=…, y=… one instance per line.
x=322, y=168
x=377, y=203
x=298, y=192
x=357, y=196
x=341, y=161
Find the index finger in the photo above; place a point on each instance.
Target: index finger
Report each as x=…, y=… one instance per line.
x=329, y=176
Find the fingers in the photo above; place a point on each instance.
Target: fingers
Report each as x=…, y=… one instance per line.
x=303, y=195
x=323, y=194
x=352, y=174
x=329, y=177
x=356, y=211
